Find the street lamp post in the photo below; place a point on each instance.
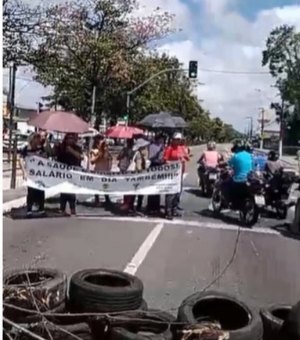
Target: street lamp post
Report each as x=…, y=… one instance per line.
x=129, y=93
x=251, y=126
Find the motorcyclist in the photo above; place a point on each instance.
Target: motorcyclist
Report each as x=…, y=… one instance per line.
x=210, y=158
x=242, y=165
x=273, y=164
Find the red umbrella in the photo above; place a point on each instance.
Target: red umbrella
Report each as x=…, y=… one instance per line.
x=123, y=132
x=60, y=121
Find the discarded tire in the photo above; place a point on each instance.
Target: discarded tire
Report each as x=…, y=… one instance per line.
x=66, y=332
x=234, y=316
x=273, y=318
x=102, y=290
x=146, y=329
x=290, y=329
x=40, y=289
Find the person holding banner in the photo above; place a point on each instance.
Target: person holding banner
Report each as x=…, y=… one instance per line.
x=69, y=153
x=125, y=159
x=101, y=158
x=34, y=196
x=174, y=152
x=156, y=158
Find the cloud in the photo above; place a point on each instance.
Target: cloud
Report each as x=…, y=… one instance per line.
x=220, y=38
x=236, y=44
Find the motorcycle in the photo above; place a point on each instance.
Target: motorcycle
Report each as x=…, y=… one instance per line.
x=247, y=198
x=208, y=177
x=277, y=191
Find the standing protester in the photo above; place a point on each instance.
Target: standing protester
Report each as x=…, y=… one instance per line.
x=125, y=158
x=69, y=153
x=45, y=143
x=141, y=155
x=101, y=158
x=156, y=158
x=174, y=152
x=34, y=196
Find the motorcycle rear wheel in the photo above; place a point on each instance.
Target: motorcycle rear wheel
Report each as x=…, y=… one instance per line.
x=281, y=212
x=249, y=214
x=217, y=201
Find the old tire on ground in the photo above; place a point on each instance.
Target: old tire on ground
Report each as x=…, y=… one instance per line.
x=47, y=286
x=80, y=330
x=239, y=320
x=290, y=329
x=141, y=331
x=273, y=318
x=103, y=290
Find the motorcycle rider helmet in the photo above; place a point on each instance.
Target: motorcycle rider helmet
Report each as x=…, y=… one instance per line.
x=248, y=147
x=211, y=146
x=237, y=146
x=273, y=156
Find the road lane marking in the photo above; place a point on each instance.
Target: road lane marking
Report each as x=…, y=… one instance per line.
x=144, y=249
x=177, y=222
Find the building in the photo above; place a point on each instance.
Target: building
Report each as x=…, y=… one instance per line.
x=21, y=117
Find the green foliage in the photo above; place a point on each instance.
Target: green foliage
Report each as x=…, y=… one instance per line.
x=282, y=56
x=79, y=46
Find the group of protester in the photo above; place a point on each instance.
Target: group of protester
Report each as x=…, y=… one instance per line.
x=137, y=155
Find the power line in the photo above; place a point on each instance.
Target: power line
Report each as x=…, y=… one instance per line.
x=233, y=72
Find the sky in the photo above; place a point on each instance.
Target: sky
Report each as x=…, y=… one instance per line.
x=224, y=36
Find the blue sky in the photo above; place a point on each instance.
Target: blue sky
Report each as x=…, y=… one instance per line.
x=223, y=35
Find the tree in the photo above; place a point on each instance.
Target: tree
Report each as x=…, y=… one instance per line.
x=93, y=44
x=20, y=23
x=282, y=56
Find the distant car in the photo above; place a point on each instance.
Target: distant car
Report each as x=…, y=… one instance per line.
x=21, y=143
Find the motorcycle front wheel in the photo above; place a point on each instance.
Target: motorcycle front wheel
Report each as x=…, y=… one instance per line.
x=250, y=213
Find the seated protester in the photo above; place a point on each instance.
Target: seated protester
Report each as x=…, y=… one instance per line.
x=69, y=153
x=34, y=196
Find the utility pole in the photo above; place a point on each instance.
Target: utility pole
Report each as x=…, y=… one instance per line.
x=262, y=128
x=281, y=127
x=11, y=100
x=93, y=118
x=251, y=127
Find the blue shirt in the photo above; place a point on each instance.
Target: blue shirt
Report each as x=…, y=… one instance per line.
x=242, y=164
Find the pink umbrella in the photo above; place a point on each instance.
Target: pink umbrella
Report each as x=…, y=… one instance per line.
x=60, y=121
x=123, y=132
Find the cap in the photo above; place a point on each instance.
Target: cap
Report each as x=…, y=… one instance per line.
x=177, y=135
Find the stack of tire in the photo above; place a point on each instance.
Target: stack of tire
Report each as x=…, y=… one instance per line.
x=121, y=296
x=90, y=291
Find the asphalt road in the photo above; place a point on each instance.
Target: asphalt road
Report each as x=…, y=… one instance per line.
x=174, y=259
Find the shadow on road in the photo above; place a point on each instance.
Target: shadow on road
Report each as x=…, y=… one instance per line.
x=283, y=229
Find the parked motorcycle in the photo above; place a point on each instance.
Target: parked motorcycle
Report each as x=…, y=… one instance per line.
x=247, y=198
x=277, y=191
x=208, y=179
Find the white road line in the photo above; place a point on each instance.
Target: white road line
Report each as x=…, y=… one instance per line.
x=144, y=249
x=196, y=224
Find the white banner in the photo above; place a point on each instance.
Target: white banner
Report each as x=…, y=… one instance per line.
x=57, y=178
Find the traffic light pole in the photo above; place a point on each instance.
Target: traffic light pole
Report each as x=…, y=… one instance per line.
x=281, y=131
x=129, y=93
x=262, y=129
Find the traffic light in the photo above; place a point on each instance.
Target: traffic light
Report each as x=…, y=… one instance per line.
x=278, y=111
x=193, y=69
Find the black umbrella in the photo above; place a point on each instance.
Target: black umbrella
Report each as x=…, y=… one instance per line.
x=162, y=120
x=180, y=122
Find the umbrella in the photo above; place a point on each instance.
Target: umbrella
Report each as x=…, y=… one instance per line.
x=162, y=120
x=60, y=121
x=123, y=132
x=180, y=122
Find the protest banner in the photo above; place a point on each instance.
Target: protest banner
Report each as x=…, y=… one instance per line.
x=48, y=175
